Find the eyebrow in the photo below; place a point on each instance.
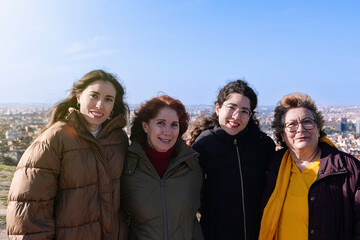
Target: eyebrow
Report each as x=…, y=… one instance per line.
x=233, y=104
x=110, y=96
x=305, y=118
x=160, y=119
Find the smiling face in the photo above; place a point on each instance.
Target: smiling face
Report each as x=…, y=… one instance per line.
x=96, y=103
x=163, y=130
x=301, y=139
x=232, y=113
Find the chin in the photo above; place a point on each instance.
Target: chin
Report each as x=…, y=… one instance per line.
x=302, y=146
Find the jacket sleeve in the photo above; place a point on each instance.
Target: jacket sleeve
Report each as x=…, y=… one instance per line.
x=30, y=213
x=202, y=161
x=356, y=215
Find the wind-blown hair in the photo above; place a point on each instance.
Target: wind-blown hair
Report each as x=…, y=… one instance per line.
x=60, y=110
x=209, y=121
x=150, y=109
x=295, y=100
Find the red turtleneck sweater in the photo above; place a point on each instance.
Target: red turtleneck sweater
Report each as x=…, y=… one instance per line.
x=160, y=160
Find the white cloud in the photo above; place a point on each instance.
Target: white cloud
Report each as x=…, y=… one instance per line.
x=88, y=55
x=89, y=49
x=75, y=47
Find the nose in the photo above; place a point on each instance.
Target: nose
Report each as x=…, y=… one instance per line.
x=166, y=131
x=99, y=104
x=236, y=113
x=300, y=127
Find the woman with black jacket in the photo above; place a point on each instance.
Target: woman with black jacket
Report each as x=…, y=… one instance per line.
x=233, y=154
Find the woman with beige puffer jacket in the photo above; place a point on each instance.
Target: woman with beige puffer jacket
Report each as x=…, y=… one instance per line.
x=67, y=183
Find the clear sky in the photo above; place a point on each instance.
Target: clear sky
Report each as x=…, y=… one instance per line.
x=187, y=49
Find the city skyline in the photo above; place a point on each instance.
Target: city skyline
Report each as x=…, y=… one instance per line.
x=186, y=49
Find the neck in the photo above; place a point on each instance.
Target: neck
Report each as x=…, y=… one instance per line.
x=308, y=156
x=302, y=161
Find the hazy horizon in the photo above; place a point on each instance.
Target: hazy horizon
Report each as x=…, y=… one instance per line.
x=5, y=104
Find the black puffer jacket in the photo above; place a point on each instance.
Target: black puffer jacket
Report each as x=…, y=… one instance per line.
x=228, y=187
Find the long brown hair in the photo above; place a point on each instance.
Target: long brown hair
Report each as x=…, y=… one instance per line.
x=60, y=110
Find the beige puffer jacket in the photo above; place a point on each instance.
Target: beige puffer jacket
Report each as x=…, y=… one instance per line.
x=67, y=183
x=162, y=209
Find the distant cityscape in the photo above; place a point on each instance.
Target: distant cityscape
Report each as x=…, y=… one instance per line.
x=19, y=123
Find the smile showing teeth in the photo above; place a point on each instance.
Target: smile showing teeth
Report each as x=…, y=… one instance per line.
x=97, y=114
x=164, y=140
x=233, y=124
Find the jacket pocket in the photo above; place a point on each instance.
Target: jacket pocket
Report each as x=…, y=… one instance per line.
x=130, y=166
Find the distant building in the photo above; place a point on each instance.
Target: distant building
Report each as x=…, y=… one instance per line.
x=12, y=135
x=357, y=126
x=340, y=126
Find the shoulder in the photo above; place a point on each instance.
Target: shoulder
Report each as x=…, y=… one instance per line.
x=189, y=155
x=258, y=141
x=205, y=141
x=46, y=149
x=57, y=132
x=275, y=160
x=340, y=158
x=259, y=135
x=184, y=150
x=61, y=137
x=116, y=136
x=205, y=136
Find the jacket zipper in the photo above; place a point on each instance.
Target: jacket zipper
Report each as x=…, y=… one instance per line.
x=107, y=169
x=242, y=186
x=163, y=200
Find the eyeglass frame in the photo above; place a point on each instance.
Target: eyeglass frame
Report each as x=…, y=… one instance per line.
x=237, y=109
x=286, y=125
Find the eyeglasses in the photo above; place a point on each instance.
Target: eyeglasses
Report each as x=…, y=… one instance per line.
x=232, y=109
x=307, y=124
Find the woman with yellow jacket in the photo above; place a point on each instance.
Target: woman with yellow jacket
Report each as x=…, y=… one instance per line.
x=67, y=183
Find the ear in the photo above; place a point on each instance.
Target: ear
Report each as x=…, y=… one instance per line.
x=78, y=97
x=144, y=126
x=282, y=136
x=217, y=108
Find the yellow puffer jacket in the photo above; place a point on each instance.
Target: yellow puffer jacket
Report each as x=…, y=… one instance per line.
x=67, y=183
x=162, y=209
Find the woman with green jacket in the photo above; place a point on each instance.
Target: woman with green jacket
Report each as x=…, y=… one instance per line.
x=162, y=178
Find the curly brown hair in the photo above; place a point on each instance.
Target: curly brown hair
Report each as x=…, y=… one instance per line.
x=295, y=100
x=150, y=109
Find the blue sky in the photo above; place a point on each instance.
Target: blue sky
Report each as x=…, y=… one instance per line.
x=187, y=49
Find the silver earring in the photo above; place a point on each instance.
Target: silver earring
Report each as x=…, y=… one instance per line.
x=110, y=115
